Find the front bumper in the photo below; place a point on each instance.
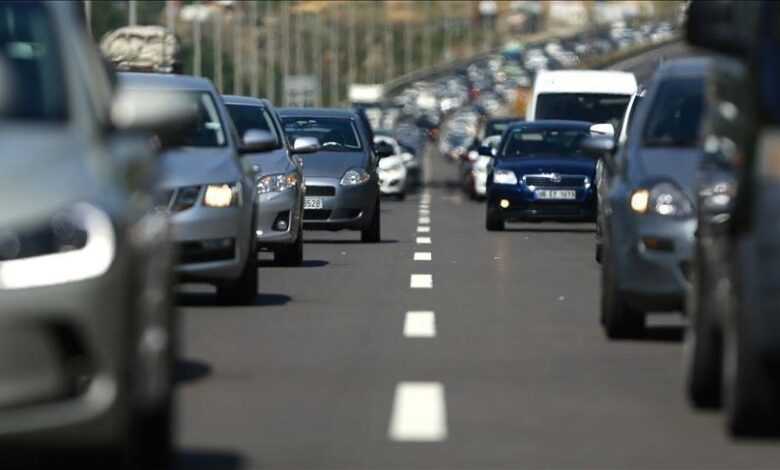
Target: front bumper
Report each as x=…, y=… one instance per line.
x=652, y=255
x=213, y=242
x=274, y=207
x=524, y=204
x=349, y=208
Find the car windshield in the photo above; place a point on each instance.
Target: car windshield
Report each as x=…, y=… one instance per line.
x=590, y=107
x=676, y=114
x=247, y=117
x=30, y=54
x=536, y=142
x=496, y=127
x=333, y=134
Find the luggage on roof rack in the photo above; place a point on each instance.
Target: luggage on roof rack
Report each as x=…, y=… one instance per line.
x=142, y=49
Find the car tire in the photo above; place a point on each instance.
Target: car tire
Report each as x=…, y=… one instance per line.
x=703, y=345
x=372, y=233
x=493, y=223
x=243, y=291
x=751, y=388
x=292, y=254
x=618, y=320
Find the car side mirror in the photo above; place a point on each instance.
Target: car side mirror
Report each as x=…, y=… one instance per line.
x=383, y=149
x=603, y=129
x=306, y=145
x=600, y=147
x=257, y=140
x=485, y=151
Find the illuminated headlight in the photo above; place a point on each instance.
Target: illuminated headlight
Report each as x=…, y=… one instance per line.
x=662, y=199
x=78, y=244
x=276, y=183
x=504, y=177
x=354, y=177
x=222, y=195
x=586, y=183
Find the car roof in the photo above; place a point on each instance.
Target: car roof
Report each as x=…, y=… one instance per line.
x=585, y=81
x=545, y=124
x=317, y=112
x=246, y=100
x=164, y=81
x=686, y=67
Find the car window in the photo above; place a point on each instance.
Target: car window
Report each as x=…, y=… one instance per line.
x=29, y=51
x=676, y=114
x=590, y=107
x=247, y=117
x=539, y=142
x=334, y=134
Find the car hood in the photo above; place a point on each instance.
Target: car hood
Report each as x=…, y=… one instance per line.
x=676, y=164
x=389, y=162
x=562, y=165
x=331, y=164
x=186, y=166
x=44, y=170
x=270, y=163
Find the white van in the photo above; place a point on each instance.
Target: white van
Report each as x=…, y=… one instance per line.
x=582, y=95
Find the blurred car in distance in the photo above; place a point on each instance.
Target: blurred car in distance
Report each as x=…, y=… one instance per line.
x=391, y=169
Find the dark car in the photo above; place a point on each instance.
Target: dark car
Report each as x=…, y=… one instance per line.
x=540, y=173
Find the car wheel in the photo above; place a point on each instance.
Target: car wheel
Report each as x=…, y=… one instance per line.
x=371, y=234
x=493, y=223
x=243, y=291
x=291, y=255
x=703, y=345
x=618, y=320
x=751, y=389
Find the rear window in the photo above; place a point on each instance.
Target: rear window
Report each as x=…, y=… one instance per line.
x=676, y=114
x=535, y=142
x=590, y=107
x=333, y=134
x=247, y=117
x=29, y=52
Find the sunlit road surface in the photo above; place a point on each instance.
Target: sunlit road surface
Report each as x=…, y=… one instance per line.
x=445, y=346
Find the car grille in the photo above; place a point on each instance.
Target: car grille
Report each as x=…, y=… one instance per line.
x=316, y=214
x=555, y=180
x=320, y=191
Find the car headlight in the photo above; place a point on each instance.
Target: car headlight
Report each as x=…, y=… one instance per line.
x=276, y=183
x=77, y=244
x=222, y=195
x=662, y=199
x=504, y=177
x=354, y=177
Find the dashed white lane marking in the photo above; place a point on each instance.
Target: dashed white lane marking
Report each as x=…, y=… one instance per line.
x=422, y=256
x=423, y=240
x=425, y=212
x=421, y=281
x=420, y=324
x=424, y=220
x=419, y=413
x=423, y=229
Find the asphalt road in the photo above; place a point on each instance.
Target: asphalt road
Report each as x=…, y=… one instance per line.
x=510, y=370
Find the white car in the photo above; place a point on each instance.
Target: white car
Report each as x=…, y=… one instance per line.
x=392, y=170
x=481, y=166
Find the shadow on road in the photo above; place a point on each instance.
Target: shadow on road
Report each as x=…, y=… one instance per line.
x=667, y=334
x=309, y=263
x=209, y=299
x=347, y=242
x=203, y=459
x=191, y=370
x=547, y=229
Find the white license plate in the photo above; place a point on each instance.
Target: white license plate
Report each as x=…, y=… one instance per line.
x=565, y=194
x=312, y=203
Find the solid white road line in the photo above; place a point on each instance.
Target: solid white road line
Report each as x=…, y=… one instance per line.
x=423, y=240
x=421, y=281
x=422, y=256
x=420, y=324
x=424, y=220
x=419, y=413
x=423, y=229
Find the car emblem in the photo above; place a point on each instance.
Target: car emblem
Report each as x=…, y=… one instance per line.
x=555, y=177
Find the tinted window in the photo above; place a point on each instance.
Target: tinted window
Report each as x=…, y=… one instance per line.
x=590, y=107
x=676, y=114
x=29, y=51
x=539, y=142
x=334, y=134
x=247, y=117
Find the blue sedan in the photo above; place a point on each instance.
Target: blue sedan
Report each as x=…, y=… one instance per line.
x=540, y=172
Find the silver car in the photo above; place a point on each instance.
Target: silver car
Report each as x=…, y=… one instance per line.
x=86, y=320
x=648, y=216
x=278, y=181
x=207, y=191
x=342, y=186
